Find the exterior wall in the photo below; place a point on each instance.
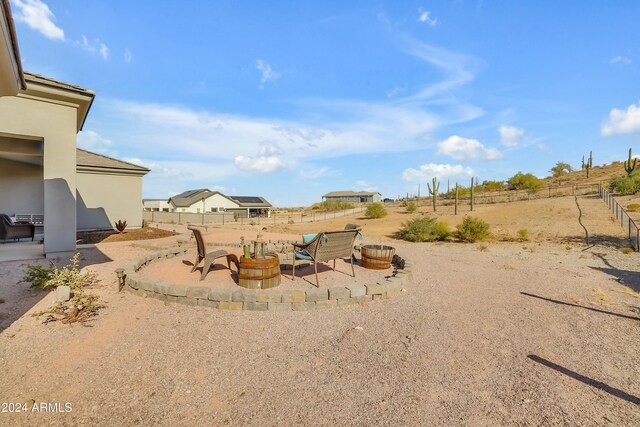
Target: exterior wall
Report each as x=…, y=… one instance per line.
x=21, y=187
x=105, y=198
x=157, y=205
x=214, y=202
x=355, y=199
x=55, y=123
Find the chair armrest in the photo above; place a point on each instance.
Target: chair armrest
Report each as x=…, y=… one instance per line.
x=301, y=245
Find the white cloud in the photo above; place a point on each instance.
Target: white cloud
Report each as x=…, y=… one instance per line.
x=425, y=16
x=622, y=121
x=96, y=47
x=441, y=171
x=460, y=148
x=510, y=136
x=620, y=60
x=93, y=141
x=267, y=72
x=313, y=174
x=262, y=164
x=39, y=17
x=128, y=56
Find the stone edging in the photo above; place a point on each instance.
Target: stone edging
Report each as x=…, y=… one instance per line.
x=262, y=300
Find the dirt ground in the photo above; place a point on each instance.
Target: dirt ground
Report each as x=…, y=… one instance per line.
x=501, y=333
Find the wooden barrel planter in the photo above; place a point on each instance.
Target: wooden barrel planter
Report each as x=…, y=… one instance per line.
x=377, y=257
x=259, y=273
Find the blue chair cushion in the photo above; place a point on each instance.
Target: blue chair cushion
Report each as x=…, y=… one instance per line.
x=306, y=238
x=303, y=255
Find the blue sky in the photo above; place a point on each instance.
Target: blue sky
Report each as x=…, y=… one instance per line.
x=290, y=100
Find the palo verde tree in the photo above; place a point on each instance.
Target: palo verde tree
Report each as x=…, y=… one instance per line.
x=561, y=168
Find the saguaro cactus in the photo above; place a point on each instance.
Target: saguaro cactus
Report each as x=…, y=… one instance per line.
x=433, y=191
x=455, y=209
x=472, y=194
x=628, y=166
x=589, y=164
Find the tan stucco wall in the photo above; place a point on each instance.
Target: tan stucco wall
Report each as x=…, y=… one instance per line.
x=104, y=199
x=55, y=123
x=21, y=188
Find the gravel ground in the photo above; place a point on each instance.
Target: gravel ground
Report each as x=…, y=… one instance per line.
x=491, y=334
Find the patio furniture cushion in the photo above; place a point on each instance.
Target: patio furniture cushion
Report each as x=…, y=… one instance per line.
x=306, y=238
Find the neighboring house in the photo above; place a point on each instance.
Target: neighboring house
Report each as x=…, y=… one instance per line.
x=39, y=121
x=352, y=196
x=108, y=190
x=205, y=200
x=156, y=205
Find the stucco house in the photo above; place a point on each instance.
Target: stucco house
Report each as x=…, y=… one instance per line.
x=156, y=205
x=204, y=200
x=41, y=170
x=353, y=196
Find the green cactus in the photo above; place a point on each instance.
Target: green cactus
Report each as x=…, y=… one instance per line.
x=589, y=163
x=433, y=191
x=472, y=194
x=455, y=209
x=628, y=166
x=582, y=167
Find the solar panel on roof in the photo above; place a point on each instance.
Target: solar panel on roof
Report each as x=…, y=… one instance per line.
x=246, y=199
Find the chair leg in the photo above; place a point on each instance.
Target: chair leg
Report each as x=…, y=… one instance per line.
x=334, y=265
x=352, y=270
x=315, y=267
x=293, y=269
x=195, y=263
x=234, y=259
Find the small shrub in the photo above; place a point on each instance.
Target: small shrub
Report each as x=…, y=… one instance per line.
x=523, y=235
x=525, y=181
x=472, y=229
x=633, y=207
x=38, y=275
x=411, y=207
x=625, y=185
x=252, y=222
x=424, y=230
x=330, y=206
x=121, y=225
x=145, y=223
x=628, y=250
x=375, y=210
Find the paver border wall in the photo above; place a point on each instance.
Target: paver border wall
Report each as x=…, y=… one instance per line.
x=258, y=299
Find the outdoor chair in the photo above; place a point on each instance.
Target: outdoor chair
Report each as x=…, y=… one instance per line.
x=211, y=257
x=9, y=230
x=324, y=247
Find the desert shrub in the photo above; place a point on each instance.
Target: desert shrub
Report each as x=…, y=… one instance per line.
x=628, y=250
x=375, y=210
x=523, y=235
x=121, y=225
x=472, y=229
x=625, y=184
x=424, y=230
x=145, y=223
x=52, y=277
x=493, y=185
x=633, y=207
x=411, y=207
x=525, y=181
x=330, y=206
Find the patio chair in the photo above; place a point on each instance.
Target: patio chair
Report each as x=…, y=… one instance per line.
x=326, y=246
x=9, y=230
x=211, y=257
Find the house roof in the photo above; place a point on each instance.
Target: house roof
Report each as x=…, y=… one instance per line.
x=251, y=201
x=189, y=197
x=48, y=81
x=350, y=193
x=4, y=5
x=87, y=159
